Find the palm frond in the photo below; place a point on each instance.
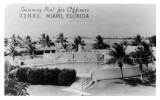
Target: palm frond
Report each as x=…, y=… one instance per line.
x=100, y=44
x=78, y=41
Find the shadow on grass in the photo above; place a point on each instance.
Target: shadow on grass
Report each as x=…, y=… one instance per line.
x=137, y=81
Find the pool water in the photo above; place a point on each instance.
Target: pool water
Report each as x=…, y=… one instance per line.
x=81, y=68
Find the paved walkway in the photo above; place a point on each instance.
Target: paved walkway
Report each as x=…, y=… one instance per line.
x=78, y=92
x=78, y=83
x=50, y=90
x=76, y=87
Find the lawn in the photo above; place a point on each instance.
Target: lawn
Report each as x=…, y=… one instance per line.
x=112, y=87
x=48, y=90
x=115, y=87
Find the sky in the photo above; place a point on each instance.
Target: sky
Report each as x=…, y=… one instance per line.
x=108, y=20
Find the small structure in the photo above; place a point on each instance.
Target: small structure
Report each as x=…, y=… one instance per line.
x=42, y=50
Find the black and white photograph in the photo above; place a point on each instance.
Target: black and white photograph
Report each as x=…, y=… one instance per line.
x=80, y=50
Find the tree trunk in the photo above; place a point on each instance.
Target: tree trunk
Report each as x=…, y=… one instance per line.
x=62, y=45
x=122, y=75
x=147, y=66
x=77, y=48
x=140, y=66
x=141, y=76
x=13, y=58
x=44, y=51
x=121, y=65
x=50, y=50
x=32, y=54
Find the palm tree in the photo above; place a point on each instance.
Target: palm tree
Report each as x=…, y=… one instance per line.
x=13, y=52
x=147, y=56
x=78, y=41
x=14, y=41
x=45, y=41
x=42, y=40
x=119, y=56
x=152, y=40
x=61, y=39
x=124, y=43
x=143, y=55
x=137, y=40
x=100, y=43
x=28, y=39
x=137, y=55
x=30, y=46
x=13, y=46
x=5, y=42
x=49, y=42
x=21, y=42
x=66, y=46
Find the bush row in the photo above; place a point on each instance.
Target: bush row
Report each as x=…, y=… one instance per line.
x=64, y=77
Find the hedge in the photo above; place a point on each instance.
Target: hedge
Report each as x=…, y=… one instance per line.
x=21, y=74
x=35, y=76
x=51, y=76
x=64, y=77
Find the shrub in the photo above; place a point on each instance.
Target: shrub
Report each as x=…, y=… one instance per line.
x=13, y=87
x=8, y=67
x=150, y=75
x=51, y=76
x=67, y=77
x=21, y=74
x=12, y=74
x=46, y=76
x=35, y=76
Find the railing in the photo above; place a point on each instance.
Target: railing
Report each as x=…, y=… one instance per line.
x=86, y=82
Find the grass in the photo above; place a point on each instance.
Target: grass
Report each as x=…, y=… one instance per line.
x=115, y=87
x=48, y=90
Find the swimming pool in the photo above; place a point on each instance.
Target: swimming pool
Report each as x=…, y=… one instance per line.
x=80, y=67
